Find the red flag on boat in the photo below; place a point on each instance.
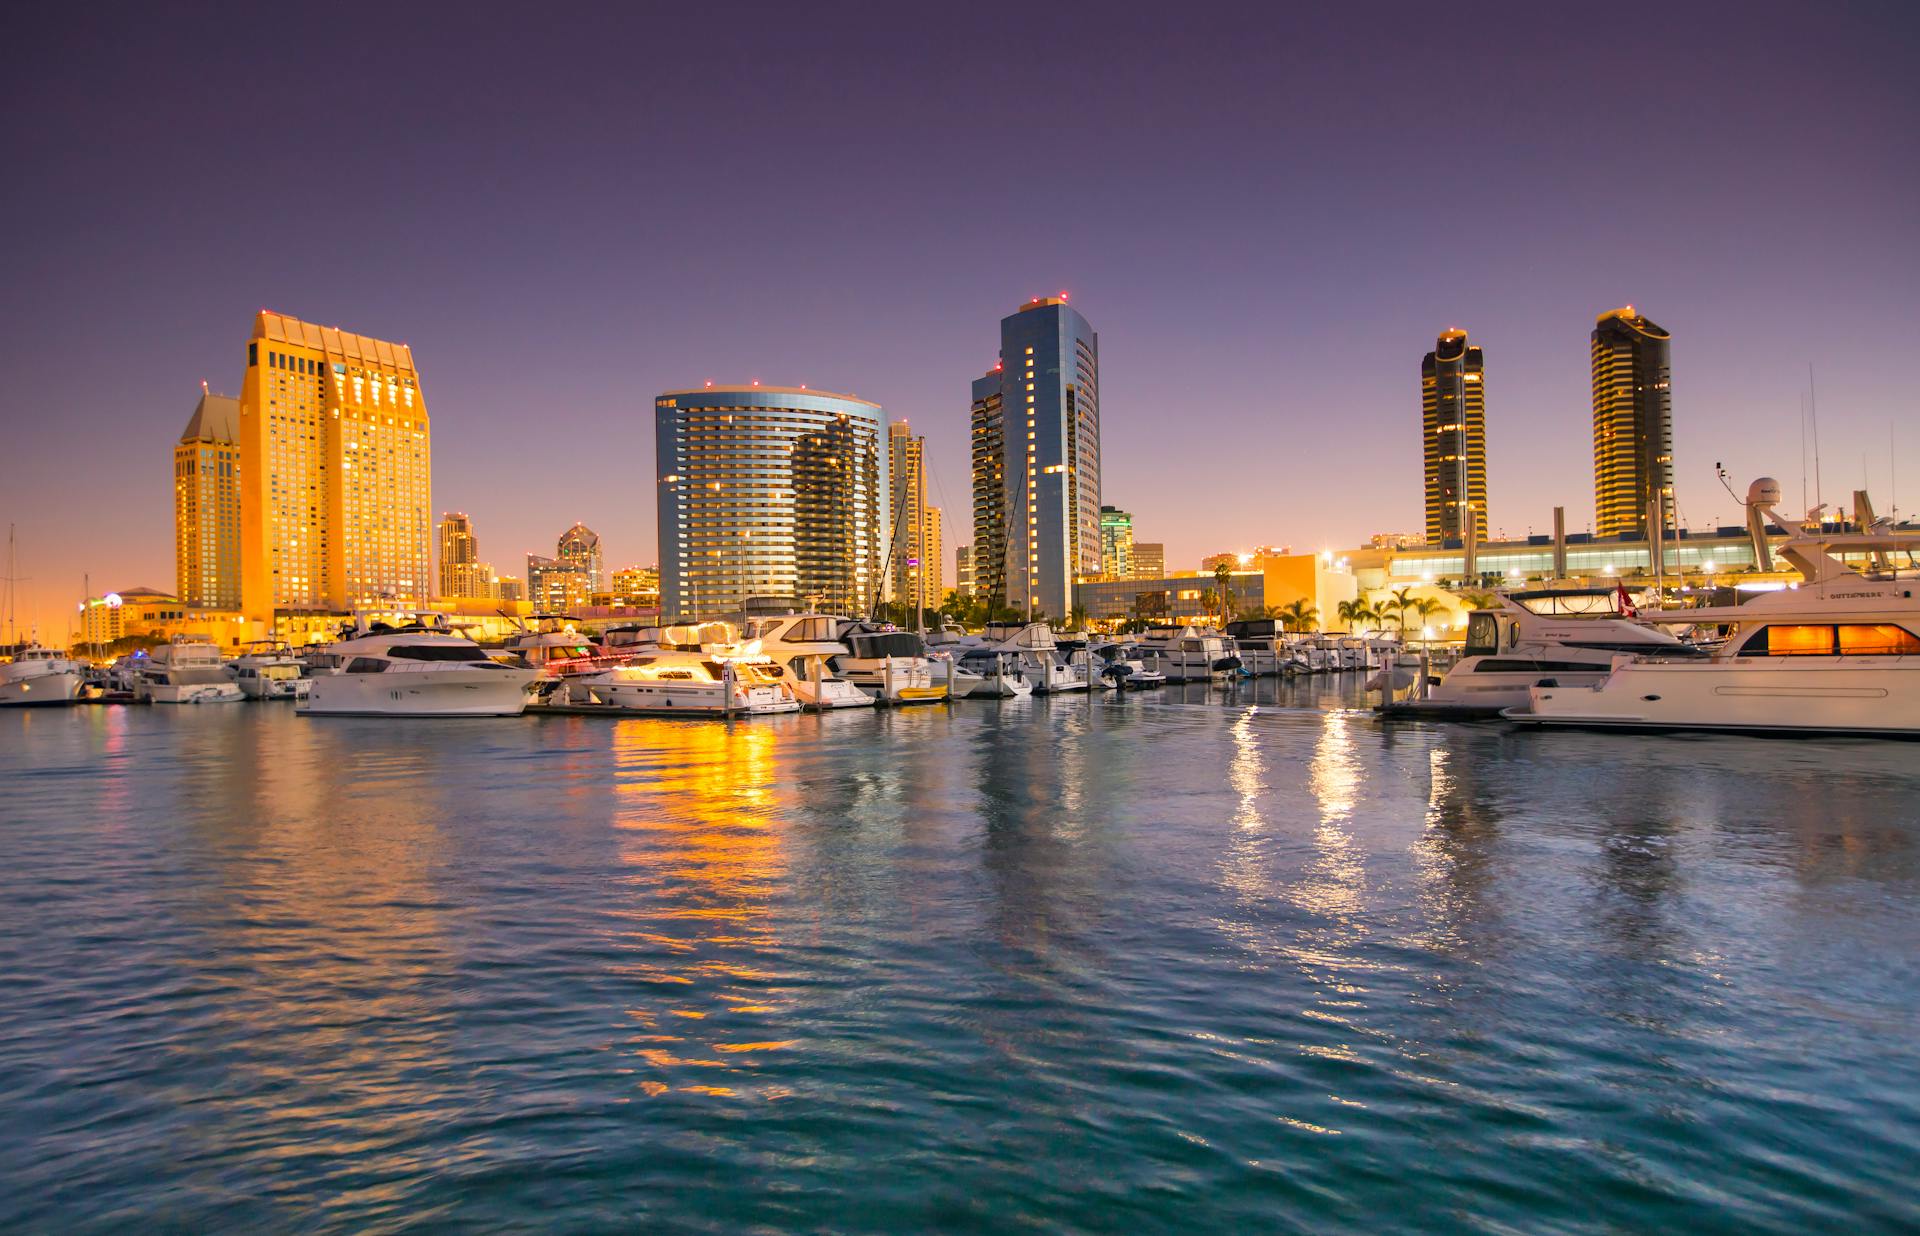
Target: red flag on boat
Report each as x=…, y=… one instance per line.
x=1626, y=602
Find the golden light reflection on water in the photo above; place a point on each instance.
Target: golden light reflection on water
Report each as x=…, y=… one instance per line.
x=1451, y=856
x=1335, y=884
x=320, y=910
x=698, y=810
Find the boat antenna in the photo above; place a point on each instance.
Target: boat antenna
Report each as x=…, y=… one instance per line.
x=1813, y=419
x=1803, y=452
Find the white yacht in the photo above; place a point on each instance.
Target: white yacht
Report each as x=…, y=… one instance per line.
x=805, y=645
x=1037, y=654
x=39, y=675
x=1567, y=635
x=718, y=680
x=186, y=670
x=892, y=665
x=1187, y=654
x=418, y=668
x=1837, y=653
x=1120, y=667
x=945, y=647
x=1261, y=644
x=559, y=652
x=268, y=670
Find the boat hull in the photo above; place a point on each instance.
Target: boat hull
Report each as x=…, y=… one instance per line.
x=1837, y=695
x=275, y=688
x=669, y=696
x=441, y=693
x=187, y=693
x=59, y=687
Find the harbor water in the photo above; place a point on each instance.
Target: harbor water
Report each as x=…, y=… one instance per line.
x=1186, y=959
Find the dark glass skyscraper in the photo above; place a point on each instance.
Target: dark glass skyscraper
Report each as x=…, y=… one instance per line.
x=988, y=445
x=1632, y=423
x=1047, y=420
x=1453, y=411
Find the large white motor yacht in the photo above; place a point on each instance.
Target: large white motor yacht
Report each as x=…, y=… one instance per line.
x=806, y=645
x=39, y=675
x=418, y=668
x=268, y=670
x=1567, y=635
x=187, y=670
x=1837, y=653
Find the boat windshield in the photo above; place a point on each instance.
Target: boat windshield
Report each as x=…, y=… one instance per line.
x=1555, y=604
x=436, y=652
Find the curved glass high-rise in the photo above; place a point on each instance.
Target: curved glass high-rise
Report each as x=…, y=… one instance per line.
x=769, y=493
x=1632, y=423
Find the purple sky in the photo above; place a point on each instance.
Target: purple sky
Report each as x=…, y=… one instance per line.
x=1266, y=215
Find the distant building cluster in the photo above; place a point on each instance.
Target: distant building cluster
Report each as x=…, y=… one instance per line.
x=308, y=495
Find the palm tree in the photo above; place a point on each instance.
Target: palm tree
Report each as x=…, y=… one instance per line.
x=1077, y=617
x=1210, y=601
x=1427, y=607
x=1354, y=612
x=1223, y=576
x=1403, y=601
x=1479, y=600
x=1299, y=615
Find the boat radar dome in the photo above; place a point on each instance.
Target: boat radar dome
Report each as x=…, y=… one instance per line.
x=1764, y=492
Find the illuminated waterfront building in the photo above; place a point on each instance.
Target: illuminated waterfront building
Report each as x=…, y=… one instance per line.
x=580, y=546
x=507, y=588
x=932, y=571
x=558, y=587
x=462, y=575
x=637, y=585
x=989, y=467
x=1116, y=543
x=1453, y=413
x=963, y=570
x=1048, y=426
x=915, y=572
x=1632, y=423
x=1149, y=560
x=334, y=454
x=769, y=492
x=206, y=505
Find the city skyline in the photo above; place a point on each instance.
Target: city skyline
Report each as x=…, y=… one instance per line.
x=1200, y=265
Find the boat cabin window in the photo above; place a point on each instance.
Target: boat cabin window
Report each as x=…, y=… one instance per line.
x=1879, y=639
x=435, y=652
x=1483, y=635
x=811, y=630
x=1575, y=601
x=366, y=665
x=1848, y=639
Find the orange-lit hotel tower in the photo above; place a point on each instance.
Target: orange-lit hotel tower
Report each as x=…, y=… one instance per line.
x=336, y=499
x=206, y=505
x=1453, y=410
x=1632, y=423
